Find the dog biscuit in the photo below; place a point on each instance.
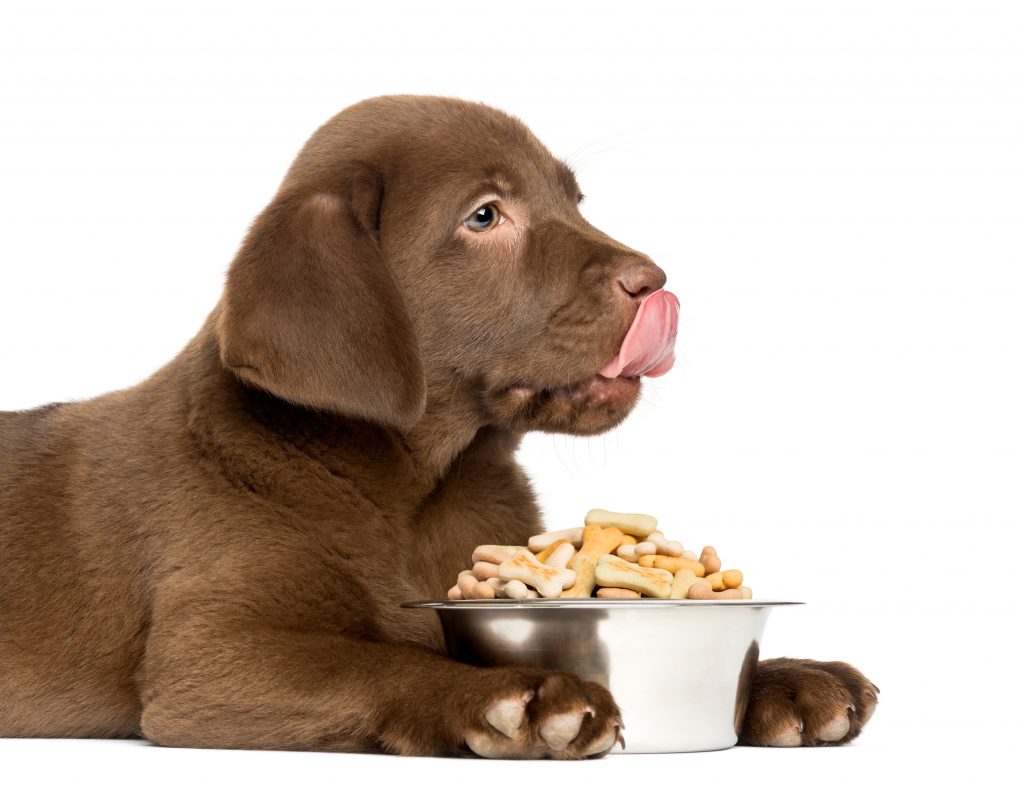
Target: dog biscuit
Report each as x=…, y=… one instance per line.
x=709, y=559
x=472, y=588
x=617, y=592
x=673, y=564
x=716, y=580
x=665, y=547
x=612, y=571
x=585, y=582
x=549, y=582
x=597, y=542
x=702, y=591
x=542, y=556
x=514, y=589
x=732, y=578
x=681, y=583
x=560, y=557
x=635, y=524
x=545, y=539
x=484, y=570
x=615, y=555
x=495, y=554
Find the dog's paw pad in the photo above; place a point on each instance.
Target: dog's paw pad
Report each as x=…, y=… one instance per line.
x=837, y=728
x=491, y=746
x=506, y=714
x=555, y=715
x=560, y=730
x=803, y=702
x=789, y=736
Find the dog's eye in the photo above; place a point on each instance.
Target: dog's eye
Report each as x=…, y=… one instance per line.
x=484, y=218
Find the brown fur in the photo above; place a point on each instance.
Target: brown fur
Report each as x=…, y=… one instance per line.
x=216, y=556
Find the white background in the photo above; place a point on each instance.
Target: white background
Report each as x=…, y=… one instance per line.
x=835, y=190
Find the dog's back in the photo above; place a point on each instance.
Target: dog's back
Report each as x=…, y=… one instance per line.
x=69, y=637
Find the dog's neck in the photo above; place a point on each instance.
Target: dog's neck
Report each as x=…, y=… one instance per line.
x=243, y=428
x=447, y=428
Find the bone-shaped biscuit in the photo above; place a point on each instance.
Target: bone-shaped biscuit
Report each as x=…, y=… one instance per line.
x=616, y=592
x=702, y=591
x=725, y=580
x=468, y=587
x=664, y=546
x=681, y=583
x=635, y=524
x=732, y=578
x=583, y=567
x=542, y=556
x=545, y=539
x=524, y=567
x=484, y=570
x=600, y=540
x=466, y=583
x=710, y=560
x=673, y=564
x=560, y=557
x=613, y=571
x=495, y=554
x=514, y=589
x=597, y=541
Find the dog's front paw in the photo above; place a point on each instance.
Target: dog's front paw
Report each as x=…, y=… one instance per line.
x=802, y=702
x=546, y=714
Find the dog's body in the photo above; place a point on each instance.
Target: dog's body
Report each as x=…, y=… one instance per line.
x=191, y=495
x=216, y=557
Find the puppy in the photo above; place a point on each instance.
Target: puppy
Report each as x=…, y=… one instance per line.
x=216, y=557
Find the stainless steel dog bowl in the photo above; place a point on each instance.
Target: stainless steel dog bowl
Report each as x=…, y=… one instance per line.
x=680, y=670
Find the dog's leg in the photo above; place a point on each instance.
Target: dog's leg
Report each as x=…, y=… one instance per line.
x=263, y=687
x=803, y=702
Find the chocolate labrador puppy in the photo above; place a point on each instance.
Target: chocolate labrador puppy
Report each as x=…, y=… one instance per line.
x=216, y=557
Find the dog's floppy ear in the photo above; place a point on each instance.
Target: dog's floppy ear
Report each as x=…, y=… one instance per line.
x=312, y=314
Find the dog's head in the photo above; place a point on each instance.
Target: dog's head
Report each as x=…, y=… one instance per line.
x=421, y=244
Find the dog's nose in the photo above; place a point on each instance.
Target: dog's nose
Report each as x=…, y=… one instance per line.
x=641, y=279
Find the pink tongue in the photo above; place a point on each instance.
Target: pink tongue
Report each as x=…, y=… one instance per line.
x=647, y=348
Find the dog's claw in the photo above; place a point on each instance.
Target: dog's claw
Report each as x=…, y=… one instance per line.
x=604, y=743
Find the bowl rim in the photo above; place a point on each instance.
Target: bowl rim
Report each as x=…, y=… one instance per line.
x=584, y=603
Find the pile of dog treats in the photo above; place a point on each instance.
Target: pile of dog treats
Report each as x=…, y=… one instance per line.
x=615, y=555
